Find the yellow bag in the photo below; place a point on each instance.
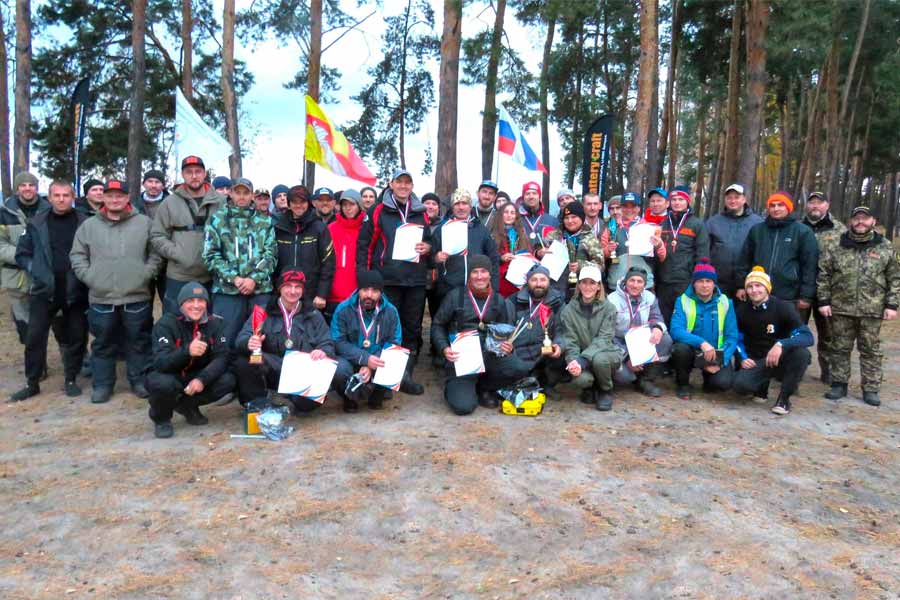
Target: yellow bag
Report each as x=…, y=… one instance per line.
x=529, y=408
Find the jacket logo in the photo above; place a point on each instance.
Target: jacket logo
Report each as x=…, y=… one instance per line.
x=770, y=329
x=163, y=340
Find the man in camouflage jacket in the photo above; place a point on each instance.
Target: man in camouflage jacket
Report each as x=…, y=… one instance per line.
x=858, y=288
x=239, y=251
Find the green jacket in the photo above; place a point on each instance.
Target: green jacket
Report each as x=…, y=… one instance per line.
x=859, y=279
x=12, y=226
x=240, y=242
x=178, y=233
x=585, y=336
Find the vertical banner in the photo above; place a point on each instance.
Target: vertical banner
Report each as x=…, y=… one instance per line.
x=79, y=107
x=595, y=168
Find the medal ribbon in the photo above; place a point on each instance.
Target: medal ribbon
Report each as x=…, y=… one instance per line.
x=367, y=331
x=634, y=313
x=483, y=310
x=536, y=308
x=532, y=225
x=675, y=231
x=404, y=214
x=288, y=317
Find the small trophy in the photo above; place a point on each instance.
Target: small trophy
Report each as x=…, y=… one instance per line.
x=573, y=275
x=257, y=319
x=613, y=257
x=547, y=347
x=544, y=316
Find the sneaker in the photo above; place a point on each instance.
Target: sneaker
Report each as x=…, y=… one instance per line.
x=683, y=392
x=648, y=388
x=587, y=396
x=782, y=406
x=139, y=390
x=604, y=400
x=871, y=398
x=101, y=395
x=30, y=389
x=72, y=389
x=837, y=391
x=164, y=429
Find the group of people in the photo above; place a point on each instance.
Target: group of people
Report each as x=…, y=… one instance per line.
x=245, y=276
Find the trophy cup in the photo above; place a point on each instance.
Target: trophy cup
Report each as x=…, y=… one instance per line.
x=257, y=319
x=544, y=316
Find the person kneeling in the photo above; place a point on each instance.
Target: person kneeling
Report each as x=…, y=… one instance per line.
x=288, y=326
x=775, y=343
x=705, y=332
x=588, y=326
x=190, y=360
x=361, y=327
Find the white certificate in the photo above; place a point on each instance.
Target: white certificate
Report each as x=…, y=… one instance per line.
x=455, y=236
x=519, y=267
x=640, y=349
x=303, y=376
x=468, y=345
x=405, y=240
x=556, y=259
x=391, y=374
x=640, y=238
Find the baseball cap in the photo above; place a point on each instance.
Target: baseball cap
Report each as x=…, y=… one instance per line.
x=861, y=209
x=190, y=161
x=323, y=191
x=631, y=197
x=819, y=195
x=487, y=183
x=243, y=182
x=398, y=173
x=262, y=192
x=116, y=185
x=735, y=187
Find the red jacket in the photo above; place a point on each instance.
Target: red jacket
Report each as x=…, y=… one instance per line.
x=344, y=233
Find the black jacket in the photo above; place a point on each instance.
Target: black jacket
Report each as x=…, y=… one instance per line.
x=457, y=314
x=528, y=344
x=308, y=332
x=173, y=334
x=452, y=273
x=691, y=244
x=375, y=245
x=788, y=251
x=306, y=245
x=33, y=255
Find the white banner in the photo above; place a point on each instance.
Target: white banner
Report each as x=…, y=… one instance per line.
x=193, y=137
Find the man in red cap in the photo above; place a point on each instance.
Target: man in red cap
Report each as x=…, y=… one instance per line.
x=686, y=240
x=534, y=219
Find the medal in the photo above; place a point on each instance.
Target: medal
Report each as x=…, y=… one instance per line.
x=366, y=330
x=289, y=343
x=480, y=312
x=366, y=343
x=481, y=326
x=288, y=323
x=532, y=235
x=676, y=231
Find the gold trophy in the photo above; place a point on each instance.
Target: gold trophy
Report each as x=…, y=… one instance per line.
x=613, y=258
x=547, y=347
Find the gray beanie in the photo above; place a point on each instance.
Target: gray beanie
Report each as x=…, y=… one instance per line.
x=191, y=290
x=538, y=268
x=353, y=196
x=478, y=261
x=24, y=177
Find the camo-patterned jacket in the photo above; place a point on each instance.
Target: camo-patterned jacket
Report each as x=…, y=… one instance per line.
x=859, y=279
x=239, y=242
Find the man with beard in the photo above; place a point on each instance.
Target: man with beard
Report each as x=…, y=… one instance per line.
x=786, y=249
x=588, y=324
x=686, y=240
x=404, y=280
x=534, y=219
x=324, y=201
x=304, y=244
x=362, y=326
x=858, y=288
x=592, y=217
x=475, y=307
x=828, y=232
x=190, y=362
x=178, y=230
x=774, y=343
x=262, y=201
x=728, y=231
x=484, y=211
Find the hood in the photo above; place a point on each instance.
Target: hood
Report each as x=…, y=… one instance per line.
x=747, y=212
x=12, y=205
x=210, y=195
x=126, y=214
x=523, y=210
x=415, y=205
x=778, y=223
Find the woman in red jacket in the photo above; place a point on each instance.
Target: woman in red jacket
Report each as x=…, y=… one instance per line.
x=344, y=233
x=509, y=235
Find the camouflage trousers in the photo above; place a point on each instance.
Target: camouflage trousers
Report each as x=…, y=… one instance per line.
x=865, y=331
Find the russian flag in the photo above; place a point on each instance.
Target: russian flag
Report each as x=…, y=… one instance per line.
x=511, y=141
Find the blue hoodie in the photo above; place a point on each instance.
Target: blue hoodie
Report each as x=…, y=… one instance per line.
x=706, y=327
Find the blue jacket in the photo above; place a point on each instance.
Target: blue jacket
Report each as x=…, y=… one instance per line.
x=347, y=332
x=706, y=327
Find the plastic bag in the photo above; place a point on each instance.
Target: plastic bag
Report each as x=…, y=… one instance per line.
x=497, y=333
x=272, y=422
x=527, y=388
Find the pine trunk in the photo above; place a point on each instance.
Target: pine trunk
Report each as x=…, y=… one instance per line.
x=136, y=117
x=5, y=180
x=21, y=136
x=545, y=112
x=228, y=96
x=576, y=118
x=670, y=87
x=489, y=120
x=187, y=50
x=757, y=23
x=312, y=74
x=734, y=90
x=673, y=141
x=699, y=196
x=637, y=166
x=445, y=180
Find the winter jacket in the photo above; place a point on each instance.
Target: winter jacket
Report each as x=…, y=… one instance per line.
x=773, y=321
x=485, y=217
x=34, y=256
x=626, y=261
x=376, y=242
x=347, y=331
x=706, y=325
x=859, y=279
x=83, y=206
x=727, y=234
x=239, y=242
x=457, y=314
x=115, y=259
x=683, y=251
x=305, y=245
x=308, y=331
x=528, y=344
x=585, y=337
x=453, y=272
x=178, y=232
x=172, y=336
x=828, y=230
x=12, y=226
x=788, y=251
x=344, y=236
x=648, y=309
x=537, y=224
x=583, y=247
x=149, y=207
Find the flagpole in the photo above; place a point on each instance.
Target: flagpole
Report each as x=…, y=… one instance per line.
x=497, y=156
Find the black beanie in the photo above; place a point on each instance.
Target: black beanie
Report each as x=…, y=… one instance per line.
x=370, y=279
x=478, y=261
x=636, y=272
x=154, y=174
x=89, y=184
x=572, y=208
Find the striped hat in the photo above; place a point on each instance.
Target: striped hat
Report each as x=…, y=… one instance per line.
x=704, y=270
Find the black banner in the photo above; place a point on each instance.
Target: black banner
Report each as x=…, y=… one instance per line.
x=597, y=141
x=79, y=108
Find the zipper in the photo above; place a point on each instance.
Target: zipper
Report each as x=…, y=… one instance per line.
x=344, y=257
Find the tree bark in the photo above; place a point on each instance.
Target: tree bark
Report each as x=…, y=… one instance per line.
x=21, y=160
x=734, y=87
x=5, y=179
x=673, y=141
x=699, y=196
x=136, y=116
x=187, y=50
x=544, y=114
x=312, y=75
x=228, y=95
x=445, y=179
x=637, y=167
x=757, y=23
x=576, y=113
x=670, y=87
x=653, y=165
x=489, y=120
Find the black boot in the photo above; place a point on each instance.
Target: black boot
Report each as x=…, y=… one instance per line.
x=871, y=398
x=376, y=400
x=163, y=430
x=488, y=399
x=350, y=405
x=588, y=396
x=837, y=391
x=604, y=399
x=30, y=389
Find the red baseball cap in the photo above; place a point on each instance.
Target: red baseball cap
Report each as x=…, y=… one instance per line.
x=116, y=185
x=190, y=161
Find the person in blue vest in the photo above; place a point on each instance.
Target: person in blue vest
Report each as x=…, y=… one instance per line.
x=704, y=329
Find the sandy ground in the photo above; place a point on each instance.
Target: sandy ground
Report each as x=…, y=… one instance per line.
x=713, y=498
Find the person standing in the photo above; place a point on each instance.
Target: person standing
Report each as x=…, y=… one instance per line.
x=279, y=200
x=239, y=251
x=581, y=245
x=324, y=201
x=686, y=240
x=536, y=221
x=178, y=230
x=592, y=217
x=92, y=200
x=369, y=198
x=510, y=239
x=484, y=210
x=43, y=253
x=618, y=243
x=154, y=192
x=858, y=288
x=113, y=256
x=728, y=231
x=344, y=235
